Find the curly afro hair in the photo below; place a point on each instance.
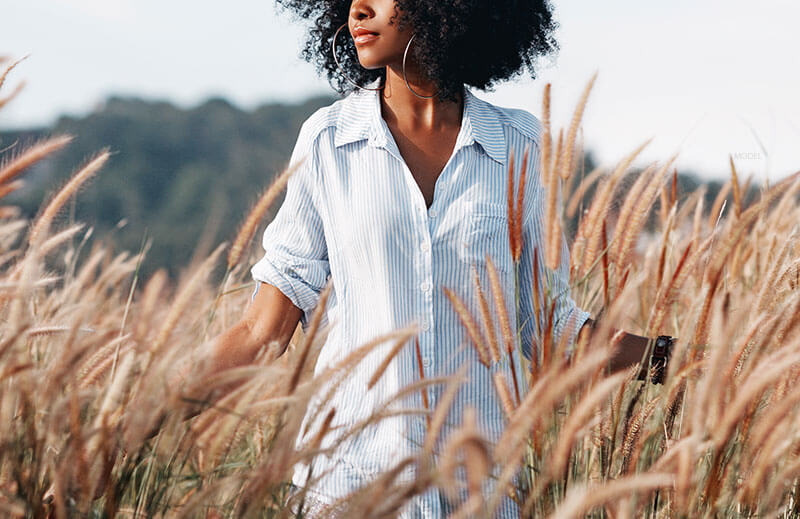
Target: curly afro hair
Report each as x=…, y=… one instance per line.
x=473, y=42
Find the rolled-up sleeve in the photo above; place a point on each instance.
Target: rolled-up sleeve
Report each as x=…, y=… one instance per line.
x=554, y=287
x=295, y=257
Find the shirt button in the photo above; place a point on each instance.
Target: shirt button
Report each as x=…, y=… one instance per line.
x=432, y=213
x=425, y=247
x=426, y=361
x=426, y=326
x=425, y=286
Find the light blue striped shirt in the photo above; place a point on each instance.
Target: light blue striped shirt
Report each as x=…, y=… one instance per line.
x=354, y=212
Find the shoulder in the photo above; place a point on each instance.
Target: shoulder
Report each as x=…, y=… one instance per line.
x=516, y=121
x=322, y=121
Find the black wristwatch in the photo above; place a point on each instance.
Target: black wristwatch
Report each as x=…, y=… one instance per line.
x=659, y=359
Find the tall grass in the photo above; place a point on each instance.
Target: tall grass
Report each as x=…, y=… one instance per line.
x=84, y=364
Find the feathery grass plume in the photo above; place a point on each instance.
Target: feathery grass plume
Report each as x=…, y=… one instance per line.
x=256, y=215
x=737, y=193
x=569, y=150
x=486, y=316
x=182, y=300
x=9, y=68
x=662, y=257
x=8, y=188
x=97, y=363
x=773, y=448
x=14, y=93
x=633, y=434
x=582, y=499
x=339, y=370
x=149, y=303
x=505, y=322
x=547, y=137
x=767, y=372
x=665, y=297
x=553, y=217
x=770, y=283
x=631, y=201
x=636, y=220
x=517, y=250
x=305, y=347
x=470, y=325
x=604, y=257
x=551, y=388
x=467, y=448
x=588, y=238
x=718, y=205
x=537, y=300
x=577, y=195
x=32, y=154
x=42, y=224
x=385, y=364
x=57, y=240
x=504, y=393
x=424, y=390
x=577, y=419
x=512, y=219
x=440, y=414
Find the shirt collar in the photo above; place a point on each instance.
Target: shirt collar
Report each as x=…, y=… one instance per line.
x=360, y=118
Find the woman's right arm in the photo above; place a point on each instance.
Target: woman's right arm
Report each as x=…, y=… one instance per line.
x=270, y=318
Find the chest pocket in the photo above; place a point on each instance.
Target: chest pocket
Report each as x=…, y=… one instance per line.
x=486, y=232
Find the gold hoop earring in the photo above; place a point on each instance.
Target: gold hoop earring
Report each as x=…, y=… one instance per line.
x=405, y=78
x=339, y=65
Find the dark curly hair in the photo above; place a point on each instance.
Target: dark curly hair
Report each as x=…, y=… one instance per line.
x=473, y=42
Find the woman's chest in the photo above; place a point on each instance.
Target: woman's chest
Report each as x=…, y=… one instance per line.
x=380, y=227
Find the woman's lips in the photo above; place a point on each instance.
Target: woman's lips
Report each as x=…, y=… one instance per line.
x=362, y=36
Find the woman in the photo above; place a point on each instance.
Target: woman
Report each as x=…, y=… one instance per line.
x=401, y=188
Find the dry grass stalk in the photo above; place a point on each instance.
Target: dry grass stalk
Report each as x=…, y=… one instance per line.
x=577, y=195
x=42, y=224
x=588, y=238
x=567, y=162
x=636, y=220
x=9, y=187
x=501, y=385
x=182, y=301
x=737, y=193
x=547, y=137
x=717, y=206
x=33, y=154
x=305, y=347
x=633, y=433
x=465, y=448
x=583, y=499
x=385, y=364
x=505, y=322
x=424, y=390
x=256, y=215
x=512, y=217
x=486, y=316
x=577, y=419
x=470, y=325
x=553, y=217
x=516, y=251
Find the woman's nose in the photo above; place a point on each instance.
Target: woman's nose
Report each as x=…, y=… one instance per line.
x=361, y=9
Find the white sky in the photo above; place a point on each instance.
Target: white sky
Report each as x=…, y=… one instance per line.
x=705, y=78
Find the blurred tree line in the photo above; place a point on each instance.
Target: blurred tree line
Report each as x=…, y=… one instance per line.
x=183, y=178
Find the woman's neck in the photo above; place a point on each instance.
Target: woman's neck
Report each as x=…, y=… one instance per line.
x=400, y=107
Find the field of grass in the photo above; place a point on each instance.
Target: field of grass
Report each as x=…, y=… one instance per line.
x=86, y=346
